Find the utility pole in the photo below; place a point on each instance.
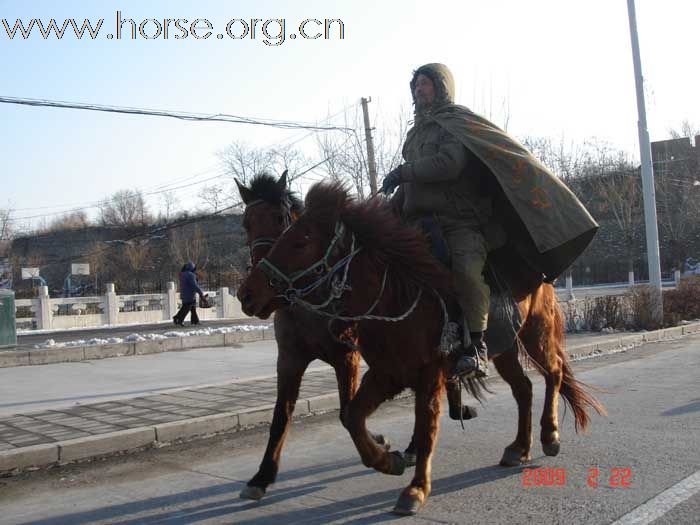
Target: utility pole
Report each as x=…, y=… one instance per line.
x=372, y=167
x=651, y=227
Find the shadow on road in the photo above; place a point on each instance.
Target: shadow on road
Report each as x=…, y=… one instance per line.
x=693, y=406
x=220, y=502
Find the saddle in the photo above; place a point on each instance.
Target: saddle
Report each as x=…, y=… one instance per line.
x=504, y=318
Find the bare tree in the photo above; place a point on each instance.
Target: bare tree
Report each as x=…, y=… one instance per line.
x=138, y=258
x=686, y=129
x=189, y=244
x=619, y=194
x=243, y=161
x=70, y=221
x=287, y=158
x=5, y=224
x=676, y=176
x=213, y=197
x=170, y=203
x=565, y=158
x=125, y=208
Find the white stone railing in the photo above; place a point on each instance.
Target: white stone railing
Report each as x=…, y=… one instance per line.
x=45, y=313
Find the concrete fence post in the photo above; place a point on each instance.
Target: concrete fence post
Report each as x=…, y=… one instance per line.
x=225, y=304
x=43, y=313
x=630, y=277
x=570, y=287
x=677, y=277
x=111, y=304
x=170, y=301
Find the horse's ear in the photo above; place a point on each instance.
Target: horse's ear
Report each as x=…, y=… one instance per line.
x=246, y=194
x=282, y=182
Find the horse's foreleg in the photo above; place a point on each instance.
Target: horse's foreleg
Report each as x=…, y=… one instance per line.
x=289, y=374
x=510, y=369
x=347, y=373
x=428, y=398
x=373, y=391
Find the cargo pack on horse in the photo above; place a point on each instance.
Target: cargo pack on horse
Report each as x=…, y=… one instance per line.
x=302, y=336
x=356, y=261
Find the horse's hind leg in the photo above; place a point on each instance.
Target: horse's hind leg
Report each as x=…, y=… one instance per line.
x=542, y=341
x=428, y=398
x=373, y=391
x=289, y=373
x=510, y=369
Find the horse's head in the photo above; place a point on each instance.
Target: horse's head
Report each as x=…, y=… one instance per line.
x=270, y=208
x=302, y=259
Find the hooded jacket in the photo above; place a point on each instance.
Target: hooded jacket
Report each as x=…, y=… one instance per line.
x=502, y=184
x=189, y=287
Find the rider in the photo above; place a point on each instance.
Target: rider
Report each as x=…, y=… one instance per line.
x=443, y=179
x=471, y=180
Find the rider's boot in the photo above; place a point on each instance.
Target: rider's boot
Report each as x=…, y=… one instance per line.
x=473, y=361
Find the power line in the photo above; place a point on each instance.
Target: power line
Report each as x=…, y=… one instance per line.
x=137, y=194
x=91, y=204
x=189, y=116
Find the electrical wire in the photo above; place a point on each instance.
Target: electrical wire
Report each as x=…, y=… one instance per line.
x=189, y=116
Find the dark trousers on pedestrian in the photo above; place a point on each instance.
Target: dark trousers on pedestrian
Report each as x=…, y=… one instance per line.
x=184, y=310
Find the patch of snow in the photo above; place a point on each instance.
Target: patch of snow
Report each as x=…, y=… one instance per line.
x=132, y=338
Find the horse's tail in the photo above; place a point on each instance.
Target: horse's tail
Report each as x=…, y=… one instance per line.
x=577, y=395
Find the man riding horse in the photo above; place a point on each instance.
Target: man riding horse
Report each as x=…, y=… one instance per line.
x=480, y=189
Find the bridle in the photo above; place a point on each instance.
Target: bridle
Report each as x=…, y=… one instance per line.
x=322, y=269
x=326, y=273
x=286, y=207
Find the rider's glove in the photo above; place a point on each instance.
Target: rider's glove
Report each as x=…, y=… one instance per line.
x=391, y=181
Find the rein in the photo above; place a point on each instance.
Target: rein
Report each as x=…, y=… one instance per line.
x=338, y=285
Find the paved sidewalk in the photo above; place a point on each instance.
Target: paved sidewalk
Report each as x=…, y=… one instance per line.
x=68, y=434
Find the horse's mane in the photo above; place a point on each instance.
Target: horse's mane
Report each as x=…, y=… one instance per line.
x=382, y=234
x=264, y=186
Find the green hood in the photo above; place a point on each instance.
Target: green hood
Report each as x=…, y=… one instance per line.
x=443, y=82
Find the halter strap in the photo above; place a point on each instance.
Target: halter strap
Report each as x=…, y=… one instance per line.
x=321, y=267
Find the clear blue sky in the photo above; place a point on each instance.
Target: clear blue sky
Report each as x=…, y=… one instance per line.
x=564, y=68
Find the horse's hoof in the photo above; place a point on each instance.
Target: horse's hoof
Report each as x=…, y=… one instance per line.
x=513, y=458
x=252, y=492
x=468, y=412
x=551, y=449
x=382, y=440
x=398, y=465
x=407, y=505
x=409, y=458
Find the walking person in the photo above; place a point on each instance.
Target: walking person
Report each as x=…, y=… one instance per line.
x=189, y=288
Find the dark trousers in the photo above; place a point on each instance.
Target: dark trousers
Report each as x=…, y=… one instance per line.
x=184, y=310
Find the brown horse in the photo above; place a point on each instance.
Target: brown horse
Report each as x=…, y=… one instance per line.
x=356, y=261
x=301, y=335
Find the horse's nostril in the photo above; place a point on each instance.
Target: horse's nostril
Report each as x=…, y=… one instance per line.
x=247, y=298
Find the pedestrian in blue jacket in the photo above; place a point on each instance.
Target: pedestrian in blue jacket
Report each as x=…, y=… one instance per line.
x=189, y=288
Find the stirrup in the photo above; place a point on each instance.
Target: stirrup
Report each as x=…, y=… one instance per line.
x=471, y=366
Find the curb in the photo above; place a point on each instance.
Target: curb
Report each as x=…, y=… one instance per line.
x=81, y=449
x=87, y=448
x=44, y=356
x=628, y=341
